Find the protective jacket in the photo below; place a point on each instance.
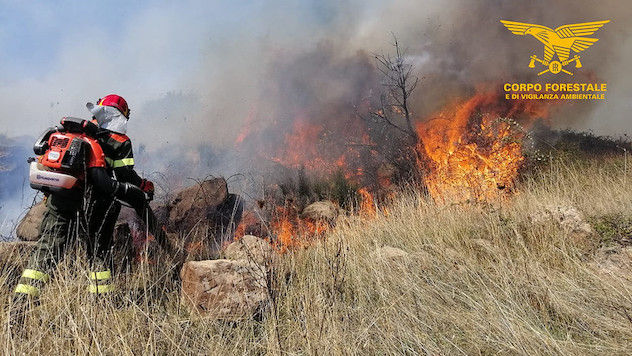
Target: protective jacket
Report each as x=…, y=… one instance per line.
x=119, y=156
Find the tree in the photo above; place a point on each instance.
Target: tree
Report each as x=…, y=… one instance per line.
x=400, y=82
x=391, y=120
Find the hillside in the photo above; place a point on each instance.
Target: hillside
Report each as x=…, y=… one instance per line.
x=544, y=271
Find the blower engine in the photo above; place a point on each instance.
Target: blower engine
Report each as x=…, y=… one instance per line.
x=62, y=152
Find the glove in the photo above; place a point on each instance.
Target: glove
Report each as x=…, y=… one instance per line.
x=147, y=186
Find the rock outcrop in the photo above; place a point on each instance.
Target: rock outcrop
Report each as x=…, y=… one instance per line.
x=388, y=253
x=28, y=229
x=199, y=220
x=206, y=214
x=569, y=218
x=613, y=261
x=224, y=289
x=194, y=205
x=250, y=248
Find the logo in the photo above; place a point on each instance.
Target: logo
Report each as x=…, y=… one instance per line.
x=39, y=177
x=559, y=42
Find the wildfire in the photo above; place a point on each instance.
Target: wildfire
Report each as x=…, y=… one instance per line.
x=301, y=147
x=470, y=150
x=474, y=148
x=322, y=149
x=286, y=230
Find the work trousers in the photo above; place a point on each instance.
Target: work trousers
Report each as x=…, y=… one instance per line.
x=67, y=220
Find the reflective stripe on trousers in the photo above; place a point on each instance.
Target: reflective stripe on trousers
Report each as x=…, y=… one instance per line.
x=35, y=278
x=101, y=282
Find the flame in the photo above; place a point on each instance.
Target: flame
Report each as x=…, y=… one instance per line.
x=292, y=231
x=287, y=230
x=250, y=224
x=367, y=204
x=323, y=148
x=474, y=147
x=300, y=148
x=247, y=128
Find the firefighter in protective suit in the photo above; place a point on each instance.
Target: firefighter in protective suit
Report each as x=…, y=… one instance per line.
x=92, y=212
x=111, y=114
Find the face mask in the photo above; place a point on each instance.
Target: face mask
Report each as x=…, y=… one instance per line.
x=109, y=118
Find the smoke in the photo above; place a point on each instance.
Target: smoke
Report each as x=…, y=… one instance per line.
x=221, y=64
x=15, y=194
x=205, y=78
x=457, y=48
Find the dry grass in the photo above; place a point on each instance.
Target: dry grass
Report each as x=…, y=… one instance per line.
x=477, y=280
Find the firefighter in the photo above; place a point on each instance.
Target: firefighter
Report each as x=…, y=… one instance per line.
x=111, y=114
x=110, y=176
x=63, y=220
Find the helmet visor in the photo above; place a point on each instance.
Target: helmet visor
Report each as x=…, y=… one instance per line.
x=109, y=118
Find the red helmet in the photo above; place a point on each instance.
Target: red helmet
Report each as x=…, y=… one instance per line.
x=115, y=101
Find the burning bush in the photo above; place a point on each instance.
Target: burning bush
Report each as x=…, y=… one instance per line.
x=474, y=147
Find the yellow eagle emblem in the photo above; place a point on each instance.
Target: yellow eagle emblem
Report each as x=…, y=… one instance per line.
x=559, y=41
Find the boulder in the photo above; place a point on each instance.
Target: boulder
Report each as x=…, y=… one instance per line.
x=613, y=261
x=161, y=211
x=321, y=210
x=28, y=229
x=224, y=289
x=194, y=205
x=199, y=221
x=205, y=216
x=484, y=246
x=388, y=253
x=569, y=218
x=250, y=248
x=226, y=217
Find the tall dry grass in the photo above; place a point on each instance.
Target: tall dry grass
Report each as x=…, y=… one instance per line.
x=477, y=280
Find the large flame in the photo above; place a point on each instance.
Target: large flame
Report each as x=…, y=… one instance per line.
x=473, y=148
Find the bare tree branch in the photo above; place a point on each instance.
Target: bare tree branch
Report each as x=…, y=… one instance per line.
x=395, y=135
x=400, y=83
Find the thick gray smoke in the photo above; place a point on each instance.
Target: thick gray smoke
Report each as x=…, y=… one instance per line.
x=210, y=91
x=458, y=47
